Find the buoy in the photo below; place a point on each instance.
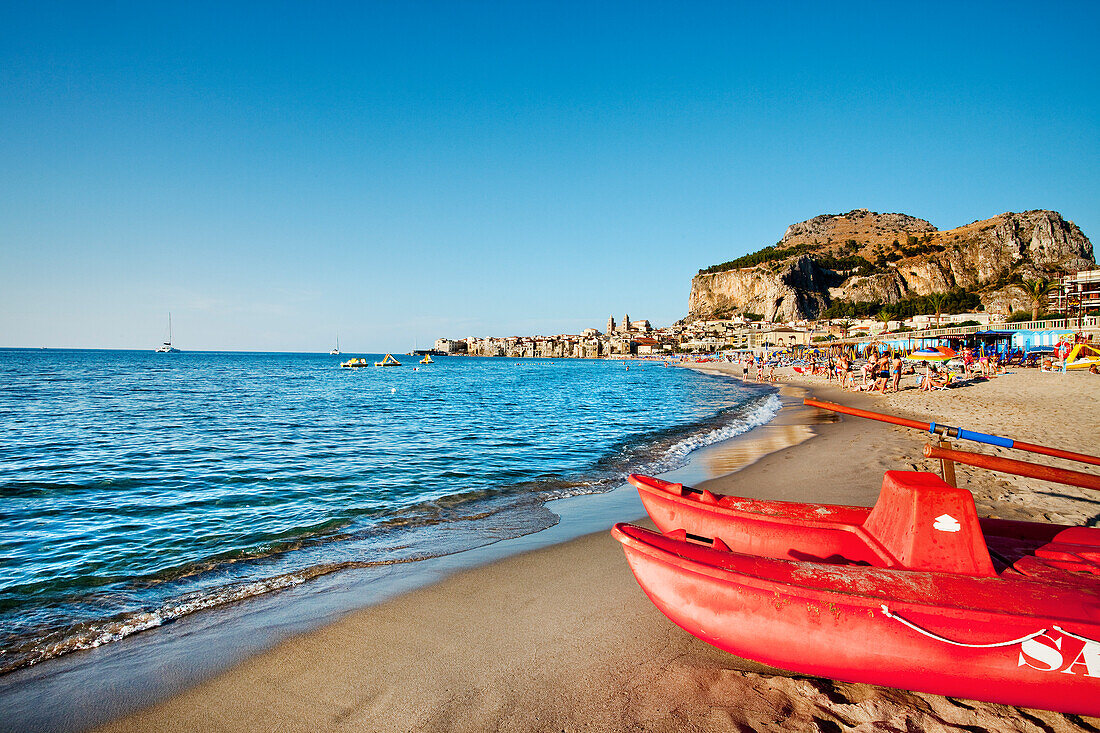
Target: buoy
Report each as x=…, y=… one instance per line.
x=393, y=390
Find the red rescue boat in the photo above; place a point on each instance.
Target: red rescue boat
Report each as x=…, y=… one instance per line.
x=916, y=593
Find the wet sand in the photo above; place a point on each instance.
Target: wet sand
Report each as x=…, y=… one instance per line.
x=563, y=639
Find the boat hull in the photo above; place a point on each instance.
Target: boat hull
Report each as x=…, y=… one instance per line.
x=767, y=528
x=843, y=622
x=817, y=532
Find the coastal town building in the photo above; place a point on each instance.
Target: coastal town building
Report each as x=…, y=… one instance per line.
x=447, y=346
x=1078, y=294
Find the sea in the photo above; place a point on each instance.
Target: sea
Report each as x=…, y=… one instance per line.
x=137, y=488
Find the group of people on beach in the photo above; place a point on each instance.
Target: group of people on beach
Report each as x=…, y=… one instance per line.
x=870, y=370
x=763, y=369
x=883, y=372
x=879, y=373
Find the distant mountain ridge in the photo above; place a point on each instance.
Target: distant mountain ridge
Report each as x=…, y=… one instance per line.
x=868, y=256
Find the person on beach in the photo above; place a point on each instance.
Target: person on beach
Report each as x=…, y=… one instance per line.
x=759, y=369
x=867, y=368
x=882, y=374
x=926, y=381
x=931, y=379
x=895, y=374
x=843, y=367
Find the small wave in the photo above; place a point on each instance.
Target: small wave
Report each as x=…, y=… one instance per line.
x=90, y=635
x=94, y=634
x=673, y=451
x=757, y=415
x=33, y=489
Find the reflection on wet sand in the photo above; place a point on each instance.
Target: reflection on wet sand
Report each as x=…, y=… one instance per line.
x=793, y=425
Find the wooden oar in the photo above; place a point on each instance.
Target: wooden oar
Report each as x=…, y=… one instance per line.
x=1020, y=468
x=950, y=432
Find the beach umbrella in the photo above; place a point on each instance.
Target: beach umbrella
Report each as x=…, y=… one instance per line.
x=946, y=351
x=931, y=354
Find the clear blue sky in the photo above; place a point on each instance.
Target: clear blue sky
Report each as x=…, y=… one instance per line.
x=273, y=173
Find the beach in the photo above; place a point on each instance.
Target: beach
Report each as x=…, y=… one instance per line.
x=563, y=639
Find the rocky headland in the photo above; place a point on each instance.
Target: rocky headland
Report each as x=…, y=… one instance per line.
x=865, y=256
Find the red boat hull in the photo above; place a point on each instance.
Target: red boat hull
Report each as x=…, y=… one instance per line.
x=846, y=534
x=829, y=620
x=766, y=528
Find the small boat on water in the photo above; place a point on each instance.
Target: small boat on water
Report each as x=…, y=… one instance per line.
x=354, y=363
x=427, y=359
x=388, y=361
x=336, y=349
x=917, y=592
x=167, y=347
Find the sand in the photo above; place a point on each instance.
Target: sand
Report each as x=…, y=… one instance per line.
x=562, y=639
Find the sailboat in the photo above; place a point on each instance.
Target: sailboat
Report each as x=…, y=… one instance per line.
x=336, y=350
x=167, y=347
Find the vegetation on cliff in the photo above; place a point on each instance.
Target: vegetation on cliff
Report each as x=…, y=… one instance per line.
x=842, y=260
x=961, y=300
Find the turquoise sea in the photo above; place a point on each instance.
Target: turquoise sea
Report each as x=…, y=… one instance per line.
x=137, y=488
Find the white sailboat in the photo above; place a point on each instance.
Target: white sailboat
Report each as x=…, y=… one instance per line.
x=167, y=347
x=336, y=350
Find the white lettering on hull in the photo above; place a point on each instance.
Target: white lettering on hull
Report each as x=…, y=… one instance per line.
x=1045, y=653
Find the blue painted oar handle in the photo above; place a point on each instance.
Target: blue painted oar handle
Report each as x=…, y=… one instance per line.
x=963, y=434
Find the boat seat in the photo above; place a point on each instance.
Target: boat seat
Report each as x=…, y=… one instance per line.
x=1056, y=569
x=1068, y=556
x=1080, y=536
x=1065, y=551
x=925, y=524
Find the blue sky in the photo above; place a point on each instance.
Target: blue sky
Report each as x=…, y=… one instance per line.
x=275, y=173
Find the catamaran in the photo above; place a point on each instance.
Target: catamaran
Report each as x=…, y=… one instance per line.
x=167, y=347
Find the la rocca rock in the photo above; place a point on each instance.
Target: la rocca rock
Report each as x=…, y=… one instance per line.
x=867, y=256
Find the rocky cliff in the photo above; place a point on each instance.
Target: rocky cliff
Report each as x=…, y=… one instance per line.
x=867, y=256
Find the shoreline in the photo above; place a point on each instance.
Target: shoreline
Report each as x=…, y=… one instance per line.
x=560, y=637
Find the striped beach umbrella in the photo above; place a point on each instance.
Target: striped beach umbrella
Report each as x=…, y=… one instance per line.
x=931, y=354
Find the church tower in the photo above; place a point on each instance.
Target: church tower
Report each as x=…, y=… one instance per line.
x=626, y=322
x=610, y=324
